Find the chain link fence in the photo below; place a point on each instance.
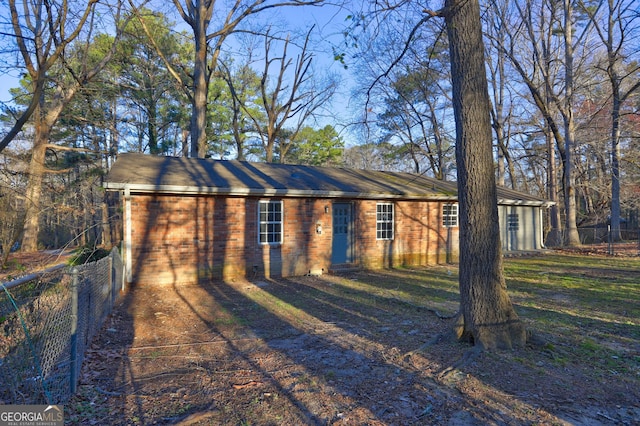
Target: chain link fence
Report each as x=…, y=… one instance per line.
x=628, y=242
x=47, y=321
x=603, y=234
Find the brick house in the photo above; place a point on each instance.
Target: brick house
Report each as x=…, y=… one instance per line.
x=186, y=219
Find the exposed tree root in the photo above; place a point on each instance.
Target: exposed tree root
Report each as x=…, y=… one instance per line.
x=438, y=337
x=468, y=357
x=429, y=343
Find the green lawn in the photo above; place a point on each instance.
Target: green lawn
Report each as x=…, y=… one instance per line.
x=589, y=304
x=585, y=307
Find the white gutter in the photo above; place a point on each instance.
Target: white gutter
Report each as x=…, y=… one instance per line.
x=272, y=192
x=532, y=203
x=541, y=232
x=298, y=193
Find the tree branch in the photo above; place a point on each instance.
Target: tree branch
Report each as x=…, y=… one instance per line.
x=397, y=60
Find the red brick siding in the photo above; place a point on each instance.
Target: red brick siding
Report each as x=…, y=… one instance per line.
x=185, y=238
x=419, y=238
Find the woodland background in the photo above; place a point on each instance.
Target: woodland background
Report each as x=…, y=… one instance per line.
x=355, y=84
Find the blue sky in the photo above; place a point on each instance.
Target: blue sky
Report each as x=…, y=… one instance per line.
x=329, y=21
x=10, y=79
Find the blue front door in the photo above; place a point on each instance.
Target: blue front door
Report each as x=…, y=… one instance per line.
x=342, y=246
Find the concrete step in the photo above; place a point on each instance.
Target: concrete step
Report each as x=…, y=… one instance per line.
x=344, y=268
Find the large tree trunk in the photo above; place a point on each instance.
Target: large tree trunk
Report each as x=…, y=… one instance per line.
x=43, y=124
x=616, y=234
x=614, y=40
x=554, y=237
x=34, y=187
x=201, y=17
x=572, y=238
x=199, y=103
x=152, y=128
x=487, y=315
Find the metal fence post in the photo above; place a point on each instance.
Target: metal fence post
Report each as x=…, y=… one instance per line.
x=74, y=329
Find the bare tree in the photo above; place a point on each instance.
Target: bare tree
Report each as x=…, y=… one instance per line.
x=33, y=32
x=416, y=107
x=44, y=31
x=615, y=29
x=208, y=43
x=287, y=98
x=487, y=317
x=546, y=65
x=501, y=110
x=407, y=107
x=572, y=237
x=243, y=84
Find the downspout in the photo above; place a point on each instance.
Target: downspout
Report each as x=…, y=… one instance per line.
x=541, y=227
x=127, y=234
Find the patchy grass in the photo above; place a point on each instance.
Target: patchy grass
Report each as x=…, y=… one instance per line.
x=597, y=297
x=341, y=350
x=587, y=307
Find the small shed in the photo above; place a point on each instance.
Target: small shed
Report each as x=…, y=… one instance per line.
x=186, y=219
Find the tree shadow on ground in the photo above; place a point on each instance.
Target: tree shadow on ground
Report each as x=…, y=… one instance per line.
x=317, y=350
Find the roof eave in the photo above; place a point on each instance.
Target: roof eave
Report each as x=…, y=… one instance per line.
x=531, y=203
x=262, y=192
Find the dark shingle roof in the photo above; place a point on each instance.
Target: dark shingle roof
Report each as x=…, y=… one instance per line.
x=154, y=174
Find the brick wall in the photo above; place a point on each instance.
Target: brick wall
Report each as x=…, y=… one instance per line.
x=419, y=238
x=178, y=239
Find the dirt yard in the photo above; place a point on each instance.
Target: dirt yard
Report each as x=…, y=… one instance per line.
x=338, y=350
x=341, y=350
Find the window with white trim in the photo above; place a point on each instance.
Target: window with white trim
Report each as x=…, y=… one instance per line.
x=449, y=215
x=270, y=222
x=384, y=221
